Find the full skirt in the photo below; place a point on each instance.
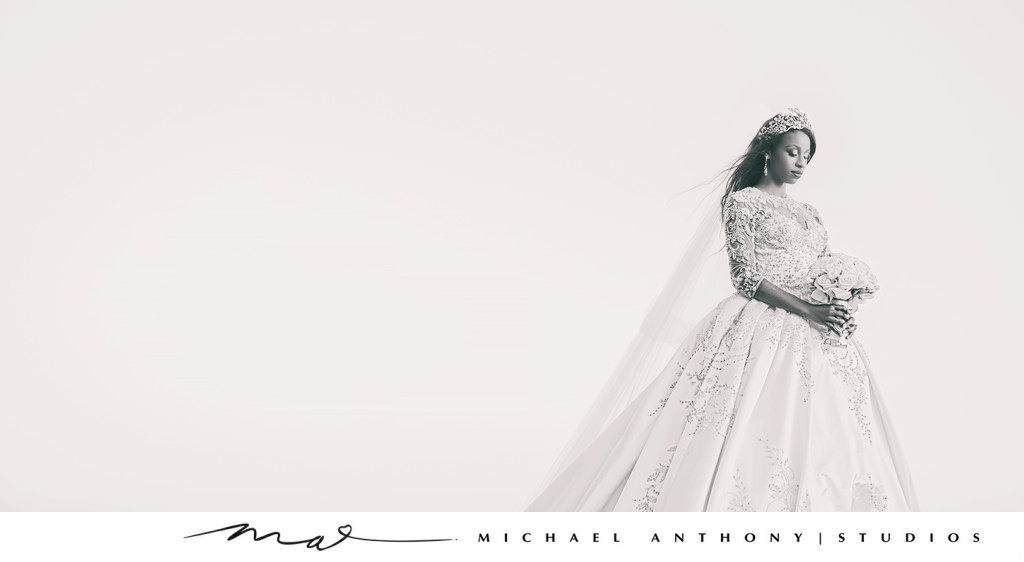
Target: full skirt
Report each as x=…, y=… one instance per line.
x=756, y=411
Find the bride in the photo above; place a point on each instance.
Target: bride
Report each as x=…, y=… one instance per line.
x=769, y=403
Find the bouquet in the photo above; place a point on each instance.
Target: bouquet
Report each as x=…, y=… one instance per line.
x=841, y=277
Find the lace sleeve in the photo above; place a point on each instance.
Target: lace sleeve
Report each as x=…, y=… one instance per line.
x=741, y=219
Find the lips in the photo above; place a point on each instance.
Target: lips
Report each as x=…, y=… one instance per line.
x=797, y=174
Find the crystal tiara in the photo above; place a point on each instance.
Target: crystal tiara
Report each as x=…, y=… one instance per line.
x=787, y=120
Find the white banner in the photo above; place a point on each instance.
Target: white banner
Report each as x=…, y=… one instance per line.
x=509, y=536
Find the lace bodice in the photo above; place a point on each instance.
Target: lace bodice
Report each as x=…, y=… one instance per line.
x=772, y=237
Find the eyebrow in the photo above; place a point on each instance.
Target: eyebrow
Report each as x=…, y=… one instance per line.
x=795, y=146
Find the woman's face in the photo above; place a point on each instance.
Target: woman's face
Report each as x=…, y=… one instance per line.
x=790, y=157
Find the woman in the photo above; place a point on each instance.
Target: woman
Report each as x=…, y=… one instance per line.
x=757, y=408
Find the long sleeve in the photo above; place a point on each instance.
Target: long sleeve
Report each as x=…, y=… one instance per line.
x=741, y=218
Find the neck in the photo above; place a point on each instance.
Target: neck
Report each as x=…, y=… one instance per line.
x=771, y=186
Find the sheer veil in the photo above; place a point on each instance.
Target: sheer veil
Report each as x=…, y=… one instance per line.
x=699, y=279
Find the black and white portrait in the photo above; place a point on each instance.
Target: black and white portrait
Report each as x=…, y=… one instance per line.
x=510, y=256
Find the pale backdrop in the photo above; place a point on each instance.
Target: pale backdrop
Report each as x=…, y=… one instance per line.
x=353, y=256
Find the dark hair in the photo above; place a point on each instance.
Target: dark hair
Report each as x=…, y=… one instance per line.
x=748, y=168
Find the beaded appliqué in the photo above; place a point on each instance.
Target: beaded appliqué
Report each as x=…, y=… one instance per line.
x=783, y=482
x=826, y=251
x=700, y=344
x=771, y=323
x=789, y=332
x=772, y=237
x=655, y=479
x=715, y=398
x=795, y=331
x=846, y=364
x=742, y=220
x=869, y=496
x=739, y=500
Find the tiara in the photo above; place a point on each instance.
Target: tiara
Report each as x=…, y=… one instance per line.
x=787, y=120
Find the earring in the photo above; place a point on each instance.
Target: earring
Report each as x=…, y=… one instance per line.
x=766, y=164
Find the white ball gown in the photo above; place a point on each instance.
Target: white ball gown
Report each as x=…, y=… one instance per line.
x=756, y=411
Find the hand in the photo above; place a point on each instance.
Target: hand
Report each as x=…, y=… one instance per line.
x=850, y=327
x=835, y=316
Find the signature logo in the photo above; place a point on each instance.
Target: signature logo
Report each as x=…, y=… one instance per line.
x=345, y=532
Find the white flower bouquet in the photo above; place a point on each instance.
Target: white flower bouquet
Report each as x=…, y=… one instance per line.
x=841, y=277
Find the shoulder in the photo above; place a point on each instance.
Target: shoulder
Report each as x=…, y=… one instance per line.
x=749, y=199
x=742, y=199
x=745, y=195
x=744, y=205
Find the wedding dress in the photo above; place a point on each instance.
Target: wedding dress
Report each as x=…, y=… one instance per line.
x=756, y=410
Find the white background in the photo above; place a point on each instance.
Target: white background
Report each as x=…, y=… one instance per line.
x=163, y=536
x=372, y=256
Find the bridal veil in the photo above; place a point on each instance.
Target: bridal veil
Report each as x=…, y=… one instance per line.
x=698, y=280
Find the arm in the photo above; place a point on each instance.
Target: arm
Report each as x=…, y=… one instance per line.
x=741, y=220
x=836, y=316
x=741, y=224
x=772, y=295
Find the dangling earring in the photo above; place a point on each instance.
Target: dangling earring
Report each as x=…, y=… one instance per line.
x=766, y=164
